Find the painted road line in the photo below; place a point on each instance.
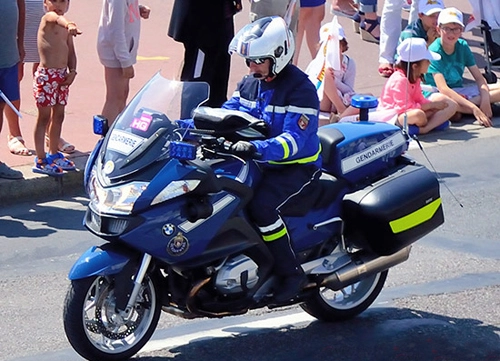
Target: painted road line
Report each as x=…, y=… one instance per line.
x=229, y=331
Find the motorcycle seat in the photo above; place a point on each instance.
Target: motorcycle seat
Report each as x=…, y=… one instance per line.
x=317, y=195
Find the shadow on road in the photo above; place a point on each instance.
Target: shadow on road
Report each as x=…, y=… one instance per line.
x=380, y=334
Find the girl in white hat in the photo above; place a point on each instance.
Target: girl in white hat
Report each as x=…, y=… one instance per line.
x=403, y=93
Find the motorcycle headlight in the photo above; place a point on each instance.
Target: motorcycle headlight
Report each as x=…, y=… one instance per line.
x=117, y=200
x=175, y=189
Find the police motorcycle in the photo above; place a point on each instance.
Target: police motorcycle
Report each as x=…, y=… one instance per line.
x=169, y=202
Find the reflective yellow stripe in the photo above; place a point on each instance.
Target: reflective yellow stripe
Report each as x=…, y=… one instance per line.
x=414, y=219
x=286, y=150
x=275, y=236
x=305, y=160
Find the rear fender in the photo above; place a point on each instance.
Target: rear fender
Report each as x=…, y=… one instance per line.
x=98, y=261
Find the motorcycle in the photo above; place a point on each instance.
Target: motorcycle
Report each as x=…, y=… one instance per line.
x=170, y=202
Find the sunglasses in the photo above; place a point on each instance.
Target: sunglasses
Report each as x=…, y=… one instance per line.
x=447, y=29
x=257, y=61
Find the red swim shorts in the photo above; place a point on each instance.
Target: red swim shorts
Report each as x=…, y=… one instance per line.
x=46, y=88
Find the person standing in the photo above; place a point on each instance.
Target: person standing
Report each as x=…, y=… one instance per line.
x=390, y=30
x=311, y=14
x=287, y=9
x=205, y=28
x=34, y=12
x=55, y=73
x=12, y=15
x=117, y=44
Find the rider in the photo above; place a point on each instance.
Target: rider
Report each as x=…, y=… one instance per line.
x=282, y=95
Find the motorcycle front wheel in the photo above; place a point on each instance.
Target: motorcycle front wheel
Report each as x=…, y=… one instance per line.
x=328, y=305
x=97, y=331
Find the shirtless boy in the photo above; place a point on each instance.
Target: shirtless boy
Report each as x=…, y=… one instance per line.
x=56, y=72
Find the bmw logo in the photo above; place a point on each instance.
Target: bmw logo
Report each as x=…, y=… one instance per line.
x=168, y=229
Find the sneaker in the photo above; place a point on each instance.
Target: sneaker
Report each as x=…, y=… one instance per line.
x=7, y=172
x=61, y=161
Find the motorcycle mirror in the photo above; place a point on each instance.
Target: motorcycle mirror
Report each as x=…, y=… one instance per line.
x=100, y=124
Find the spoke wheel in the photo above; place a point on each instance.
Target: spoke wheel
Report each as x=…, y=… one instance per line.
x=99, y=333
x=330, y=305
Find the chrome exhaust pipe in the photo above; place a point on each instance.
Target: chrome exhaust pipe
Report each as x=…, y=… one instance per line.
x=363, y=264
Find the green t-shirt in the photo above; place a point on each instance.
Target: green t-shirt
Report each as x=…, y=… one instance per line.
x=413, y=30
x=452, y=66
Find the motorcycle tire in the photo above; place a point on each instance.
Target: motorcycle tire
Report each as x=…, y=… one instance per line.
x=94, y=328
x=328, y=305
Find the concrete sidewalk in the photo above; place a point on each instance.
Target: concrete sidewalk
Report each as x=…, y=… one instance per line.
x=157, y=52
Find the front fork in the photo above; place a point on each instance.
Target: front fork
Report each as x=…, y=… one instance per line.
x=126, y=311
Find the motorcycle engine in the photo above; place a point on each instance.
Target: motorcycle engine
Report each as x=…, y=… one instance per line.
x=237, y=275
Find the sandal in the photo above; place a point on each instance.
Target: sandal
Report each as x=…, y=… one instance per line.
x=443, y=126
x=348, y=12
x=63, y=146
x=61, y=161
x=42, y=166
x=356, y=20
x=7, y=172
x=16, y=146
x=385, y=70
x=366, y=27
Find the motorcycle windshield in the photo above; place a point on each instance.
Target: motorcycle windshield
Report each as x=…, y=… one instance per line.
x=143, y=131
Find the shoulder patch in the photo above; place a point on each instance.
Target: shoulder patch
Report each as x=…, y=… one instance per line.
x=303, y=122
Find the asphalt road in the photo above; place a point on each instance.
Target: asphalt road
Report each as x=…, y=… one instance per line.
x=442, y=304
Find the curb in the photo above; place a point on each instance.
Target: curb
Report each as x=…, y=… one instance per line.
x=36, y=187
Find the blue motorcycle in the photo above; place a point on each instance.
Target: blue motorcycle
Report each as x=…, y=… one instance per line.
x=170, y=202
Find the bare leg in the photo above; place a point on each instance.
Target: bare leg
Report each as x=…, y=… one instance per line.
x=55, y=128
x=13, y=119
x=312, y=26
x=117, y=89
x=42, y=120
x=440, y=116
x=331, y=91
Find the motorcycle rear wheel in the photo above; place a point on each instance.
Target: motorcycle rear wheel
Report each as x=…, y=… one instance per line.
x=94, y=328
x=328, y=305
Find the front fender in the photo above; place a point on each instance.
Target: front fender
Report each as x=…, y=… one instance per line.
x=98, y=261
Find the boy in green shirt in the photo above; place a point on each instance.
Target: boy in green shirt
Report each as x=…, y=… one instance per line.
x=455, y=54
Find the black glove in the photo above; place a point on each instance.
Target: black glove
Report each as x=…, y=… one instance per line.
x=245, y=150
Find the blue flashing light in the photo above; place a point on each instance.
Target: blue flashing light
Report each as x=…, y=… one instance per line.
x=182, y=150
x=364, y=101
x=100, y=125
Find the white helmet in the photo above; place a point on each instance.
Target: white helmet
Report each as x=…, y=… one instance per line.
x=267, y=37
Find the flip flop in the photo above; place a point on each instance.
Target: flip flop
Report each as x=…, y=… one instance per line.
x=42, y=166
x=16, y=146
x=7, y=172
x=61, y=161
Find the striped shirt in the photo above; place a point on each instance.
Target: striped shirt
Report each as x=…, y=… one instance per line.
x=34, y=12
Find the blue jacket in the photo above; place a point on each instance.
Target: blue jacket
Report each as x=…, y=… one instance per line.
x=289, y=105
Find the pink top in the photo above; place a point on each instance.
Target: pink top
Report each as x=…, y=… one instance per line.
x=400, y=95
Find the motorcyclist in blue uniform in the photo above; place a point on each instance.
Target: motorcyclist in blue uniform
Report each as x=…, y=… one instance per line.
x=283, y=96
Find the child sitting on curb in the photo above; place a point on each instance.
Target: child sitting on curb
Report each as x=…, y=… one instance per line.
x=335, y=87
x=403, y=93
x=455, y=55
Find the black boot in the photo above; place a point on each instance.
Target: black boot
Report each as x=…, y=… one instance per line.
x=291, y=276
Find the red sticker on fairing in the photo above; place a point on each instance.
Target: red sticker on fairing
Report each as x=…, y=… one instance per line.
x=142, y=123
x=303, y=122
